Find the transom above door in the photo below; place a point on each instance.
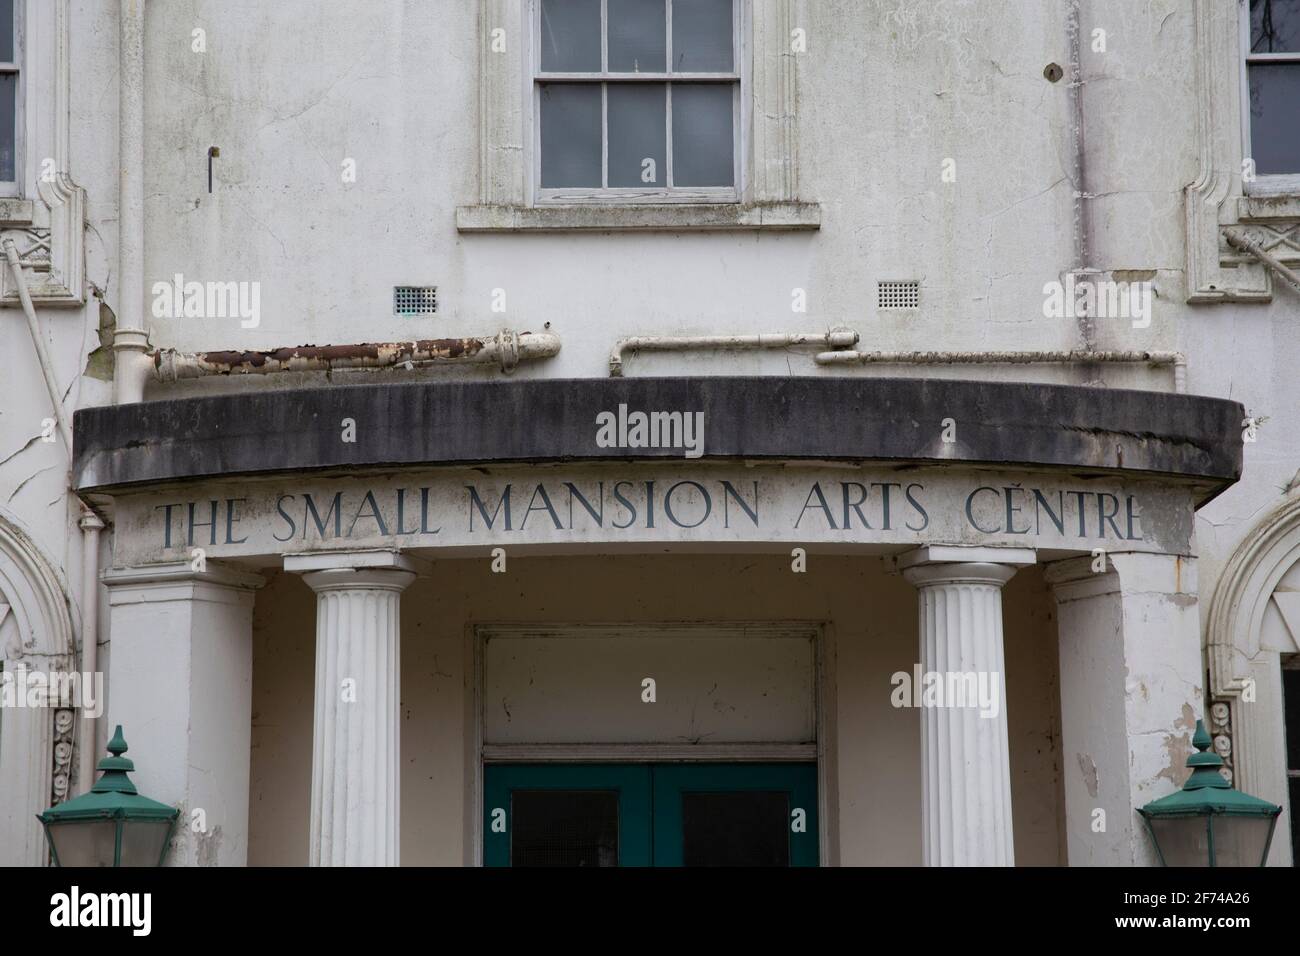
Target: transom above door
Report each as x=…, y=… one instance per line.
x=681, y=814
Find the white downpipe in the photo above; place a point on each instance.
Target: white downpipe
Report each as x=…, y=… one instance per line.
x=835, y=339
x=1076, y=356
x=91, y=526
x=131, y=339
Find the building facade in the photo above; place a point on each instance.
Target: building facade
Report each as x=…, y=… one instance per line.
x=486, y=432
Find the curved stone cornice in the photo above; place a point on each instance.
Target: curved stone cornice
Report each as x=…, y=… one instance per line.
x=1186, y=439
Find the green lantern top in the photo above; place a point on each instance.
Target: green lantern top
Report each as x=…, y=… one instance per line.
x=1206, y=791
x=113, y=797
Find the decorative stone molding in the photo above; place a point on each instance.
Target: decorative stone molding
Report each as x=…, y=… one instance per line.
x=61, y=785
x=35, y=743
x=770, y=194
x=1240, y=665
x=48, y=225
x=1217, y=199
x=1221, y=726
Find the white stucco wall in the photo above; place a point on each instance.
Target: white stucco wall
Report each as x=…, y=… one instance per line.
x=888, y=90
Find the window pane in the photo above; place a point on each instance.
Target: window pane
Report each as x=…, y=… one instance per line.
x=564, y=828
x=570, y=37
x=1274, y=26
x=7, y=30
x=702, y=36
x=1274, y=131
x=703, y=137
x=745, y=828
x=637, y=134
x=8, y=90
x=570, y=134
x=638, y=31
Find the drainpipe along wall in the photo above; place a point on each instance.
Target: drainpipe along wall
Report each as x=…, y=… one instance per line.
x=131, y=339
x=1082, y=230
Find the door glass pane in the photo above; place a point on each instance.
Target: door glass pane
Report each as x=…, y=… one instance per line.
x=564, y=828
x=741, y=828
x=1274, y=131
x=8, y=153
x=7, y=31
x=570, y=36
x=1293, y=787
x=637, y=134
x=570, y=134
x=703, y=137
x=1274, y=26
x=638, y=31
x=702, y=33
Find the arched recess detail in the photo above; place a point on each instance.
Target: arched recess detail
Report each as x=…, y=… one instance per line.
x=1248, y=628
x=35, y=633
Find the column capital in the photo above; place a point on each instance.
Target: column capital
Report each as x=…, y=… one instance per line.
x=347, y=560
x=352, y=570
x=948, y=564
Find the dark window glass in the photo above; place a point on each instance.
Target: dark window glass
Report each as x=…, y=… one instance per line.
x=564, y=828
x=702, y=33
x=571, y=151
x=741, y=828
x=1275, y=117
x=570, y=39
x=7, y=31
x=703, y=138
x=637, y=133
x=8, y=144
x=638, y=31
x=1275, y=26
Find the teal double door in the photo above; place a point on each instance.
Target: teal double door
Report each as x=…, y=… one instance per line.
x=650, y=815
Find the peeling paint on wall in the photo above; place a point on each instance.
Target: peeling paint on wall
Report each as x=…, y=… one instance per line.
x=1089, y=768
x=208, y=847
x=99, y=363
x=1178, y=747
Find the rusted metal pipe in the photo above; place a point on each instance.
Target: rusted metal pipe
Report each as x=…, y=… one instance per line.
x=835, y=339
x=507, y=348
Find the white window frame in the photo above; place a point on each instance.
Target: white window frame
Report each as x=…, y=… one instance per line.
x=739, y=79
x=13, y=188
x=1273, y=184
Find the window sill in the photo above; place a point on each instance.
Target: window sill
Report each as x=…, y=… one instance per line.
x=16, y=211
x=684, y=217
x=1257, y=206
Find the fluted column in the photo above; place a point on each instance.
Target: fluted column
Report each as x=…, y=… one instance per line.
x=355, y=806
x=965, y=757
